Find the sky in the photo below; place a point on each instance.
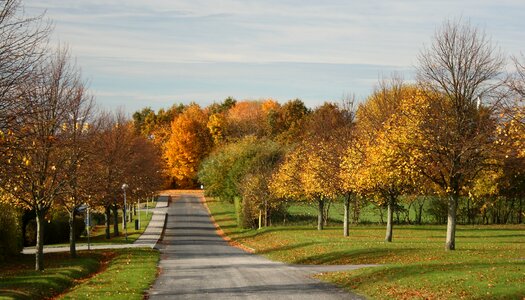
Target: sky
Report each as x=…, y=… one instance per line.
x=155, y=53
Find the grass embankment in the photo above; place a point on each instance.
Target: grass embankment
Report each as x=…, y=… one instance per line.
x=98, y=233
x=122, y=273
x=488, y=263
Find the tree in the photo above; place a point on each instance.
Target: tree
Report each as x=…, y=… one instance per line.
x=21, y=41
x=453, y=136
x=38, y=167
x=289, y=121
x=309, y=171
x=78, y=129
x=237, y=172
x=245, y=118
x=374, y=166
x=113, y=148
x=189, y=143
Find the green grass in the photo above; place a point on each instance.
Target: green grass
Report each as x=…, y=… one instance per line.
x=305, y=212
x=119, y=273
x=127, y=276
x=488, y=263
x=98, y=233
x=18, y=280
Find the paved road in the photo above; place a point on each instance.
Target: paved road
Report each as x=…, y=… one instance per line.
x=196, y=263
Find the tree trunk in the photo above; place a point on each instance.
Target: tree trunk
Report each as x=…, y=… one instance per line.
x=346, y=231
x=238, y=209
x=285, y=212
x=380, y=209
x=420, y=216
x=260, y=218
x=266, y=217
x=451, y=222
x=39, y=254
x=327, y=213
x=520, y=211
x=130, y=207
x=115, y=220
x=390, y=213
x=320, y=215
x=108, y=218
x=357, y=210
x=72, y=238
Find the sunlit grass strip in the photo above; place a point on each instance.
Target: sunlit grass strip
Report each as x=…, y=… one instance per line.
x=18, y=280
x=128, y=275
x=437, y=280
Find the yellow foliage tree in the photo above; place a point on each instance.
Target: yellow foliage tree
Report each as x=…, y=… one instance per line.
x=310, y=171
x=373, y=165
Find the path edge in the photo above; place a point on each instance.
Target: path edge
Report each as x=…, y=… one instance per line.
x=221, y=233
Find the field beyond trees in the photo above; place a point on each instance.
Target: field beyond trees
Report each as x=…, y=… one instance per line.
x=488, y=263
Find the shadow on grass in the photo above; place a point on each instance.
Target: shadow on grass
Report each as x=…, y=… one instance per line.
x=60, y=273
x=251, y=233
x=285, y=248
x=361, y=255
x=399, y=272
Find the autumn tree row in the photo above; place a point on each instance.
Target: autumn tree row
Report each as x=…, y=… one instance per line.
x=57, y=151
x=456, y=134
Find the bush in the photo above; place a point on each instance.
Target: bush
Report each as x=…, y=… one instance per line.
x=10, y=231
x=438, y=209
x=56, y=229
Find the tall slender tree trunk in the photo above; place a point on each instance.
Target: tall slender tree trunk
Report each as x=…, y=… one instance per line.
x=381, y=218
x=39, y=254
x=451, y=222
x=115, y=220
x=130, y=208
x=520, y=211
x=390, y=213
x=260, y=218
x=266, y=217
x=327, y=213
x=72, y=238
x=108, y=221
x=238, y=210
x=320, y=214
x=420, y=215
x=346, y=221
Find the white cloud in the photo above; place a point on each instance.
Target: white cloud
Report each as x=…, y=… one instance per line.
x=127, y=41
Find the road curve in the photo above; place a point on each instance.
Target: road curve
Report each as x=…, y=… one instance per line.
x=196, y=263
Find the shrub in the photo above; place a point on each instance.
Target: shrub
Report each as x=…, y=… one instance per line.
x=10, y=231
x=56, y=229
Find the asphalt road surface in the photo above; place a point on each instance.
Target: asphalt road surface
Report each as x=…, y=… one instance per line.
x=196, y=263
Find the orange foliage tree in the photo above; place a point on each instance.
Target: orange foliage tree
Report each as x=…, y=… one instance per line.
x=190, y=141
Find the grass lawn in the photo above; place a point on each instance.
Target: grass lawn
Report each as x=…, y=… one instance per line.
x=98, y=233
x=18, y=279
x=122, y=273
x=489, y=261
x=128, y=275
